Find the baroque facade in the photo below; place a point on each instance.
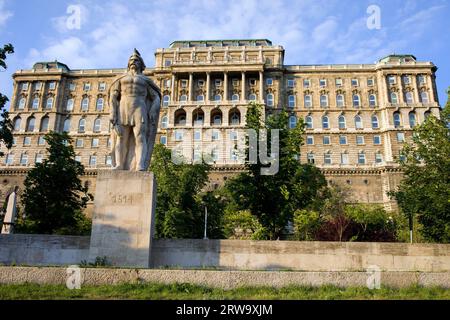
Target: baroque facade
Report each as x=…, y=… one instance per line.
x=357, y=115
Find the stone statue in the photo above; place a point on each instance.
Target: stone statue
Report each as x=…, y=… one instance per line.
x=134, y=103
x=11, y=212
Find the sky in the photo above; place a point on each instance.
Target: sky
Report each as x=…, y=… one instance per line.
x=102, y=34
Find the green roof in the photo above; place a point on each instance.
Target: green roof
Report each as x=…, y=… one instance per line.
x=50, y=65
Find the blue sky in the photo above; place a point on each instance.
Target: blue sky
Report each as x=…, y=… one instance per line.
x=311, y=31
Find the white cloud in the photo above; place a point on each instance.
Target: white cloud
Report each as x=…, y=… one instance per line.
x=4, y=14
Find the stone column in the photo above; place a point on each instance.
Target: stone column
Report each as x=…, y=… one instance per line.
x=42, y=96
x=261, y=87
x=416, y=88
x=429, y=81
x=208, y=86
x=225, y=86
x=243, y=93
x=401, y=98
x=172, y=89
x=191, y=87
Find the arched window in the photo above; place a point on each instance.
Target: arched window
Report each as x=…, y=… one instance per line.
x=31, y=124
x=375, y=124
x=308, y=101
x=82, y=125
x=217, y=98
x=49, y=104
x=412, y=119
x=70, y=103
x=235, y=97
x=292, y=122
x=183, y=98
x=323, y=100
x=22, y=103
x=427, y=114
x=340, y=100
x=198, y=117
x=356, y=100
x=17, y=123
x=341, y=120
x=291, y=101
x=66, y=126
x=325, y=122
x=235, y=117
x=97, y=125
x=394, y=98
x=409, y=97
x=358, y=122
x=85, y=104
x=44, y=124
x=35, y=103
x=424, y=97
x=309, y=122
x=372, y=100
x=164, y=122
x=269, y=99
x=252, y=97
x=216, y=118
x=100, y=104
x=200, y=98
x=397, y=120
x=180, y=117
x=166, y=100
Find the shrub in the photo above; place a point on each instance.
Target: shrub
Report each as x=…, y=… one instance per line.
x=242, y=225
x=306, y=224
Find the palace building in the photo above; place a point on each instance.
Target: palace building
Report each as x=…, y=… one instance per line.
x=357, y=116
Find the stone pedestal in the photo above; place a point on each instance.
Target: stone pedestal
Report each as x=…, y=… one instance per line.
x=123, y=220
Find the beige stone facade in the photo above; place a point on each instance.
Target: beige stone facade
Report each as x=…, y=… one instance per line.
x=357, y=115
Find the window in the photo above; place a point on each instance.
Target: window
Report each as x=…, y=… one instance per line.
x=69, y=105
x=376, y=140
x=49, y=103
x=31, y=124
x=167, y=62
x=397, y=120
x=183, y=98
x=108, y=161
x=37, y=86
x=27, y=141
x=9, y=159
x=35, y=103
x=92, y=161
x=201, y=83
x=308, y=101
x=421, y=79
x=406, y=80
x=424, y=97
x=412, y=119
x=41, y=141
x=291, y=101
x=292, y=122
x=217, y=119
x=82, y=125
x=309, y=122
x=79, y=143
x=309, y=140
x=323, y=82
x=39, y=158
x=72, y=87
x=167, y=83
x=164, y=122
x=325, y=122
x=323, y=100
x=17, y=123
x=52, y=85
x=394, y=98
x=215, y=135
x=78, y=158
x=166, y=100
x=97, y=125
x=375, y=124
x=400, y=136
x=24, y=86
x=217, y=82
x=252, y=97
x=184, y=83
x=217, y=98
x=235, y=82
x=339, y=82
x=326, y=140
x=215, y=154
x=87, y=86
x=233, y=136
x=358, y=122
x=101, y=86
x=361, y=158
x=378, y=157
x=233, y=154
x=356, y=100
x=372, y=100
x=22, y=103
x=291, y=83
x=306, y=83
x=178, y=135
x=341, y=121
x=44, y=124
x=409, y=97
x=100, y=103
x=235, y=97
x=340, y=100
x=197, y=135
x=355, y=82
x=370, y=82
x=108, y=142
x=200, y=98
x=310, y=158
x=327, y=158
x=269, y=99
x=163, y=140
x=235, y=118
x=85, y=104
x=401, y=155
x=344, y=158
x=391, y=79
x=342, y=140
x=359, y=140
x=24, y=159
x=66, y=126
x=95, y=143
x=269, y=81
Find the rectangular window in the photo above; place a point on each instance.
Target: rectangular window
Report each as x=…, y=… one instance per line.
x=39, y=158
x=87, y=86
x=400, y=136
x=95, y=143
x=342, y=139
x=370, y=82
x=344, y=158
x=41, y=141
x=323, y=82
x=269, y=81
x=327, y=158
x=27, y=141
x=93, y=161
x=79, y=143
x=326, y=140
x=197, y=135
x=102, y=86
x=391, y=79
x=72, y=87
x=201, y=83
x=233, y=136
x=163, y=140
x=291, y=83
x=361, y=158
x=406, y=80
x=78, y=158
x=309, y=140
x=179, y=135
x=37, y=85
x=401, y=156
x=9, y=159
x=167, y=83
x=339, y=82
x=376, y=140
x=24, y=159
x=215, y=135
x=108, y=161
x=167, y=63
x=355, y=82
x=306, y=83
x=25, y=86
x=217, y=82
x=421, y=79
x=378, y=157
x=52, y=85
x=359, y=140
x=252, y=82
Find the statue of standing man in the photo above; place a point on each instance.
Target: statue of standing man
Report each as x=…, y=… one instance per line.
x=134, y=103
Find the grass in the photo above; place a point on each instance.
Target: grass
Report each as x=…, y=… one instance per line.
x=192, y=292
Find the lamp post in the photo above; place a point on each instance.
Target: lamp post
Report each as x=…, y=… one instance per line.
x=206, y=223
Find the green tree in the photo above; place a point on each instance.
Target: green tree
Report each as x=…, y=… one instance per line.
x=425, y=190
x=274, y=198
x=6, y=127
x=54, y=196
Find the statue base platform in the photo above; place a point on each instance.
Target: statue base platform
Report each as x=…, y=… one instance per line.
x=123, y=220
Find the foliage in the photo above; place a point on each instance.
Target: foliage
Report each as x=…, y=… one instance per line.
x=6, y=126
x=54, y=196
x=306, y=224
x=425, y=190
x=274, y=198
x=241, y=225
x=99, y=262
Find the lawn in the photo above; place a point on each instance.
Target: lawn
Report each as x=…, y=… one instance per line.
x=193, y=292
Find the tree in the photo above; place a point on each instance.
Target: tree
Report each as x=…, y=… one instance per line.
x=425, y=189
x=6, y=126
x=274, y=198
x=54, y=196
